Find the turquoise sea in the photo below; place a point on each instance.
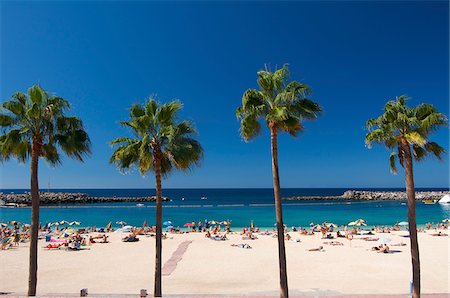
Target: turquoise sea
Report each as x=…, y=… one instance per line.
x=238, y=205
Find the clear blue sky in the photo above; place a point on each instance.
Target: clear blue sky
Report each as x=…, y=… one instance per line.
x=104, y=56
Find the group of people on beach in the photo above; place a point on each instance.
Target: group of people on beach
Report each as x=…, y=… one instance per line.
x=11, y=235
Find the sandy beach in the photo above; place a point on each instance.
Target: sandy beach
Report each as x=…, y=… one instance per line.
x=216, y=267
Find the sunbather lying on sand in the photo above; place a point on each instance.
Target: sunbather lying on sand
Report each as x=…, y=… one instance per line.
x=242, y=245
x=220, y=237
x=54, y=245
x=385, y=249
x=381, y=248
x=334, y=243
x=439, y=234
x=399, y=244
x=320, y=248
x=369, y=239
x=130, y=238
x=250, y=237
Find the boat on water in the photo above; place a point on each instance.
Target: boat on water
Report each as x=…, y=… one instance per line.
x=9, y=205
x=445, y=200
x=203, y=198
x=429, y=201
x=140, y=205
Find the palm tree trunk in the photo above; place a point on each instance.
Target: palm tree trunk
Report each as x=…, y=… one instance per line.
x=279, y=213
x=158, y=262
x=409, y=178
x=32, y=279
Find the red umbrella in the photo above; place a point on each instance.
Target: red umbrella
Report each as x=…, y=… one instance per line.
x=188, y=224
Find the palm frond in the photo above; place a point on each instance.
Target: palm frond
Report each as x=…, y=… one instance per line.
x=392, y=163
x=280, y=102
x=158, y=136
x=435, y=149
x=400, y=124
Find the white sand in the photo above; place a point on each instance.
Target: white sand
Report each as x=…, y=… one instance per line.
x=214, y=267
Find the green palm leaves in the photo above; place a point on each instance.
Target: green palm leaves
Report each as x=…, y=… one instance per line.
x=400, y=125
x=281, y=103
x=39, y=117
x=157, y=133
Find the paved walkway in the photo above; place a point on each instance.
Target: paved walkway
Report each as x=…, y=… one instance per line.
x=177, y=255
x=222, y=296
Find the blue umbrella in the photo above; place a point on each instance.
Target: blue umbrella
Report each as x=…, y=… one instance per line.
x=167, y=223
x=317, y=228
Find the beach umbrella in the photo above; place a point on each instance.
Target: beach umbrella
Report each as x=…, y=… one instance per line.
x=213, y=222
x=331, y=225
x=384, y=240
x=3, y=225
x=122, y=223
x=64, y=222
x=403, y=223
x=167, y=223
x=188, y=224
x=13, y=222
x=317, y=228
x=69, y=231
x=446, y=221
x=77, y=223
x=358, y=223
x=109, y=226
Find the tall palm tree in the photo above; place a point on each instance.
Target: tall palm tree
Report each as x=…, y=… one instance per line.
x=283, y=105
x=406, y=130
x=159, y=144
x=34, y=126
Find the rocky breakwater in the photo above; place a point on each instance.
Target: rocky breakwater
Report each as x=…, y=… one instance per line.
x=56, y=198
x=363, y=195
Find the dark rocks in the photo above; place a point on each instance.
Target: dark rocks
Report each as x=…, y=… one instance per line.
x=54, y=198
x=363, y=195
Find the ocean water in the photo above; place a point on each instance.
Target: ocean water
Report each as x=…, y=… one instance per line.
x=238, y=205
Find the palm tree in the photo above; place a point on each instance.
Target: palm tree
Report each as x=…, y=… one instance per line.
x=406, y=130
x=283, y=105
x=34, y=126
x=159, y=144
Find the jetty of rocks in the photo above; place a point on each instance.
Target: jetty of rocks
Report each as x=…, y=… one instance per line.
x=363, y=195
x=56, y=198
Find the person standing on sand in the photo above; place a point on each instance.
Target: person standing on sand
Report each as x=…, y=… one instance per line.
x=200, y=226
